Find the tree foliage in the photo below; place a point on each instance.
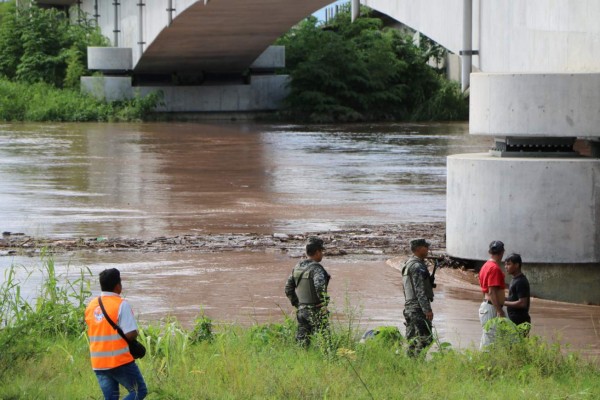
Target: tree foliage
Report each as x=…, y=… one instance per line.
x=42, y=45
x=363, y=71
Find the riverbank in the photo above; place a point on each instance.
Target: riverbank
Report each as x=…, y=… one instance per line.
x=44, y=344
x=262, y=362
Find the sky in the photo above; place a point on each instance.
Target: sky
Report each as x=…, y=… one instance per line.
x=321, y=13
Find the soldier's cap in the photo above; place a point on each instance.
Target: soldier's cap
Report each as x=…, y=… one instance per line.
x=418, y=243
x=496, y=247
x=315, y=242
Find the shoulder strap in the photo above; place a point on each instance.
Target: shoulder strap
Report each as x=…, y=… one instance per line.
x=110, y=321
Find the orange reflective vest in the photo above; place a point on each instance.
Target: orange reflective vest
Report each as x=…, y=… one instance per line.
x=107, y=348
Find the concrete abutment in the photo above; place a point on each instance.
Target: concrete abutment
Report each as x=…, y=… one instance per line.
x=264, y=91
x=536, y=194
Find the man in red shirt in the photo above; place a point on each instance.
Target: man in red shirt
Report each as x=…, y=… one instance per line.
x=491, y=280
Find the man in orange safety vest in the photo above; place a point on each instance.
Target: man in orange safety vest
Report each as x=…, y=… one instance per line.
x=109, y=352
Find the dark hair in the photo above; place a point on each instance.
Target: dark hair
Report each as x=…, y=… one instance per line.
x=514, y=258
x=109, y=278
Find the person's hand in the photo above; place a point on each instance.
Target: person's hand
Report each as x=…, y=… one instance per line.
x=500, y=313
x=429, y=315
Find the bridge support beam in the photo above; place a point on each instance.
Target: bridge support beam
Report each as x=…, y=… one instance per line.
x=533, y=191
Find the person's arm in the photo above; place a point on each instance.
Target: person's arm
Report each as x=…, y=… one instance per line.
x=320, y=279
x=131, y=336
x=521, y=303
x=419, y=282
x=290, y=291
x=496, y=294
x=127, y=321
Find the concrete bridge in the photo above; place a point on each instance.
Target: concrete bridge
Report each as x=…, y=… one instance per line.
x=195, y=52
x=535, y=89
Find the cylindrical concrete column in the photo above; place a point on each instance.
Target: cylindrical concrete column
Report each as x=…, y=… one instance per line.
x=141, y=42
x=547, y=209
x=467, y=44
x=354, y=9
x=116, y=29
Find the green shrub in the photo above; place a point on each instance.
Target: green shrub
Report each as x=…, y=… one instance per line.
x=203, y=330
x=43, y=102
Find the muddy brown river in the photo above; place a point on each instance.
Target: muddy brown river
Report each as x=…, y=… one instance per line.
x=143, y=181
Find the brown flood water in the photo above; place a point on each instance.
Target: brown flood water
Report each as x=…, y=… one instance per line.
x=148, y=180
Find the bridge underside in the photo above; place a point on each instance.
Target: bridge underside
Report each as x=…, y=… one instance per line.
x=223, y=37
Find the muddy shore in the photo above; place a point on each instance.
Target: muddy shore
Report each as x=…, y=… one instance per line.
x=367, y=240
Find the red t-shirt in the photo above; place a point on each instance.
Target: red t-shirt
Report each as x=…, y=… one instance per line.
x=491, y=275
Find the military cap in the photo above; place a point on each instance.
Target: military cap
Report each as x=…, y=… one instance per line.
x=315, y=242
x=418, y=243
x=496, y=247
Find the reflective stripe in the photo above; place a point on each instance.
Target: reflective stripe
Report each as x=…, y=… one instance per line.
x=105, y=338
x=110, y=353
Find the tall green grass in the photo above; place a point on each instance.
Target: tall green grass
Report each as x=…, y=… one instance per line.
x=264, y=362
x=43, y=102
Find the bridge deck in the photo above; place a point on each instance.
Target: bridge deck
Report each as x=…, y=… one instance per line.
x=224, y=36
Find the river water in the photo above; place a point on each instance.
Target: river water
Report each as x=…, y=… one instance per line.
x=165, y=179
x=149, y=180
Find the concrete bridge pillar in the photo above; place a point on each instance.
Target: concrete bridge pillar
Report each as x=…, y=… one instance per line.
x=533, y=190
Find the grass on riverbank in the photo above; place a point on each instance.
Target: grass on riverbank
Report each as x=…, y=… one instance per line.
x=44, y=354
x=43, y=102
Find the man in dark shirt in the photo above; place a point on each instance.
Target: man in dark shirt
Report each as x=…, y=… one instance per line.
x=517, y=304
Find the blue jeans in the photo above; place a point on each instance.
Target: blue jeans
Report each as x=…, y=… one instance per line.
x=129, y=376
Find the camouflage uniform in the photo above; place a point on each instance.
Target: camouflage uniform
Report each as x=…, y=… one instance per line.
x=418, y=295
x=307, y=290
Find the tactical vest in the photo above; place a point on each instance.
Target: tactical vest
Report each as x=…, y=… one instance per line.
x=409, y=269
x=305, y=286
x=107, y=348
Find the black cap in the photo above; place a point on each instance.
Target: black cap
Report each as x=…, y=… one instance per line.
x=316, y=243
x=496, y=247
x=418, y=243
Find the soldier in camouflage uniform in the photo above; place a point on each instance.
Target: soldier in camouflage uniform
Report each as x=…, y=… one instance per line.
x=307, y=290
x=418, y=295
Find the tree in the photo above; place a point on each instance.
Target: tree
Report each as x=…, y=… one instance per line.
x=362, y=71
x=41, y=45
